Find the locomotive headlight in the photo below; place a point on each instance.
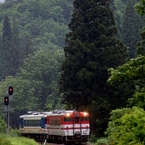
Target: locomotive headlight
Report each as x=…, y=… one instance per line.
x=85, y=113
x=67, y=114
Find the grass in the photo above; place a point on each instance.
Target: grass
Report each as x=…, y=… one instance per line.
x=8, y=140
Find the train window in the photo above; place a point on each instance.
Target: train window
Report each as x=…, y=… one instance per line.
x=25, y=122
x=54, y=121
x=32, y=122
x=38, y=122
x=68, y=119
x=28, y=123
x=84, y=118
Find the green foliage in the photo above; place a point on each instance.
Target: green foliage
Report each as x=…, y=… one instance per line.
x=130, y=28
x=140, y=7
x=97, y=141
x=138, y=98
x=6, y=50
x=141, y=44
x=132, y=70
x=102, y=141
x=41, y=25
x=2, y=126
x=22, y=88
x=35, y=18
x=118, y=14
x=92, y=138
x=43, y=71
x=14, y=132
x=122, y=16
x=23, y=98
x=35, y=25
x=7, y=140
x=126, y=126
x=36, y=86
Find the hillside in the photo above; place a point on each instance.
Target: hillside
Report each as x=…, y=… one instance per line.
x=46, y=22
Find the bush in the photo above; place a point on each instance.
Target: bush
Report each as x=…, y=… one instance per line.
x=14, y=132
x=2, y=126
x=127, y=127
x=102, y=141
x=92, y=138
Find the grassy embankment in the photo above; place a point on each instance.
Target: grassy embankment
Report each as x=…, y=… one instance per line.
x=8, y=140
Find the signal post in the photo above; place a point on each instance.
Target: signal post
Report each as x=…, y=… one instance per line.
x=7, y=100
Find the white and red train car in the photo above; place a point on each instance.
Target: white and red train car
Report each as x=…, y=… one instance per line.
x=67, y=126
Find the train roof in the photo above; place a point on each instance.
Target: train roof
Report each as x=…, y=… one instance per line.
x=65, y=112
x=35, y=114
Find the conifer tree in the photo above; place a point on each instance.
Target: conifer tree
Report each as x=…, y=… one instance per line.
x=130, y=28
x=10, y=49
x=6, y=49
x=15, y=46
x=91, y=49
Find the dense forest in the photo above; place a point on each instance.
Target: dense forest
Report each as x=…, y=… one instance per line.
x=56, y=54
x=32, y=39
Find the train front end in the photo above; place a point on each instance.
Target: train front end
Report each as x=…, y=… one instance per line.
x=68, y=126
x=77, y=126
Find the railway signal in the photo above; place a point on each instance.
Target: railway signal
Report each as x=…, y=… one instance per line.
x=6, y=100
x=10, y=90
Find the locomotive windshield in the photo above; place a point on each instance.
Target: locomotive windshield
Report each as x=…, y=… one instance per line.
x=76, y=119
x=68, y=119
x=84, y=118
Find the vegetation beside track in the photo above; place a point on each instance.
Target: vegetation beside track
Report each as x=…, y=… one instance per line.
x=8, y=140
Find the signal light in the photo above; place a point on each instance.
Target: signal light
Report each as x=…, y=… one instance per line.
x=6, y=100
x=10, y=90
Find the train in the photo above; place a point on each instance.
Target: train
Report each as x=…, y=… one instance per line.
x=59, y=126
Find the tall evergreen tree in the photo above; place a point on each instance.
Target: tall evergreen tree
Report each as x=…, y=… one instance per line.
x=16, y=47
x=6, y=52
x=91, y=49
x=10, y=49
x=130, y=28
